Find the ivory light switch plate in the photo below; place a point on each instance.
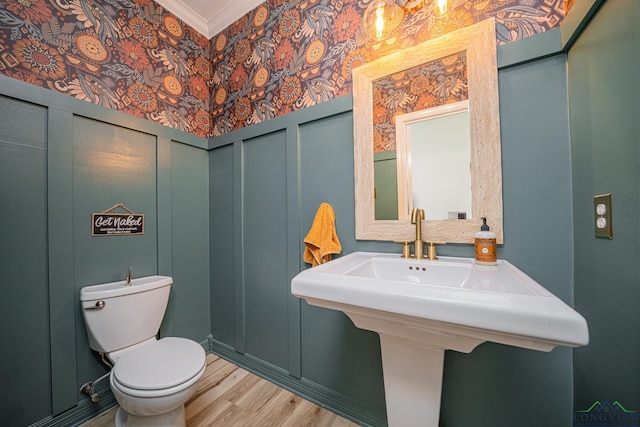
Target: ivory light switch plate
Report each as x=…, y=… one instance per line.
x=603, y=225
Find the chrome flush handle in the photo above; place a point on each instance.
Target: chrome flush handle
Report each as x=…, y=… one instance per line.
x=99, y=305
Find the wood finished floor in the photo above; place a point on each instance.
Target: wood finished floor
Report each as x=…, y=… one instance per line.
x=230, y=396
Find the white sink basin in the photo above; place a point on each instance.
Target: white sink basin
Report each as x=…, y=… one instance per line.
x=421, y=308
x=499, y=303
x=453, y=274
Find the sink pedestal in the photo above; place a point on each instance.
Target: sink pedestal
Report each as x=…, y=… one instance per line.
x=412, y=362
x=412, y=382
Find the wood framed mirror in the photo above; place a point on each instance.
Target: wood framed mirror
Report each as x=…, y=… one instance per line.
x=477, y=81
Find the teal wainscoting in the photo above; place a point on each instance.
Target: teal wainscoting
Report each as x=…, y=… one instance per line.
x=62, y=160
x=271, y=178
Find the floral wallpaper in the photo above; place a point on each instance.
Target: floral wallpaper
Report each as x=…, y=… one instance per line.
x=429, y=85
x=285, y=55
x=128, y=55
x=291, y=54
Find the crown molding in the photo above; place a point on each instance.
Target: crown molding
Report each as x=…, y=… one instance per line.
x=184, y=12
x=218, y=20
x=228, y=15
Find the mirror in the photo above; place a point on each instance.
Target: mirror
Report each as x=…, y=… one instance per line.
x=469, y=56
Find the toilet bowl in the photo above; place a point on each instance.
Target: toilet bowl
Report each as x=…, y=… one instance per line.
x=153, y=381
x=151, y=378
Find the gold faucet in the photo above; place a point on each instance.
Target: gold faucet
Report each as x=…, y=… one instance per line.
x=417, y=216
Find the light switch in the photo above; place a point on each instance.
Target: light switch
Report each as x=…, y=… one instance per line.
x=602, y=216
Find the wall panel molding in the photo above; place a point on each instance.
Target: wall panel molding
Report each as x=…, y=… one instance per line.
x=61, y=263
x=238, y=247
x=294, y=252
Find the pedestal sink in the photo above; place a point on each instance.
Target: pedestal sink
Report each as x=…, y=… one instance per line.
x=421, y=308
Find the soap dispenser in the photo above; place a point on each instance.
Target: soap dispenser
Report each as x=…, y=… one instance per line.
x=485, y=243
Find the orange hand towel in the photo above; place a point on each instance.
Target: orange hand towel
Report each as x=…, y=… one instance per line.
x=322, y=241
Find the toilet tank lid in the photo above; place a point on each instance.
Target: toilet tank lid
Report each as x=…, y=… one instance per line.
x=160, y=364
x=115, y=289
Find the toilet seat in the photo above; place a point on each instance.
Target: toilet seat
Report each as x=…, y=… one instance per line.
x=159, y=368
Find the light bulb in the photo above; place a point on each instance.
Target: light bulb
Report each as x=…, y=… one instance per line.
x=382, y=18
x=379, y=22
x=440, y=8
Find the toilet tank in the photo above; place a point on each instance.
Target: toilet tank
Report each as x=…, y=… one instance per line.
x=118, y=315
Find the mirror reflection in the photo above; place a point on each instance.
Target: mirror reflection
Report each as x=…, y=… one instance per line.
x=437, y=162
x=432, y=166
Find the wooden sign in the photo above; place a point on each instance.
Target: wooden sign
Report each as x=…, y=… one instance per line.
x=117, y=224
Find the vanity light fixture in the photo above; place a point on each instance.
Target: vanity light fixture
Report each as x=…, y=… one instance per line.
x=383, y=17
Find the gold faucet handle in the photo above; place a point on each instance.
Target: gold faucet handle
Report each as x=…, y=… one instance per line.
x=431, y=250
x=406, y=248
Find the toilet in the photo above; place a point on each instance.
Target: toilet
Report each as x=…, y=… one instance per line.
x=151, y=378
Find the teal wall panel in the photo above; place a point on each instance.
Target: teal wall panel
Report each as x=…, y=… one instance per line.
x=499, y=385
x=110, y=165
x=604, y=93
x=266, y=287
x=190, y=225
x=113, y=165
x=335, y=354
x=222, y=243
x=536, y=168
x=24, y=296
